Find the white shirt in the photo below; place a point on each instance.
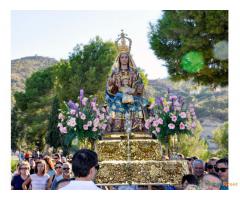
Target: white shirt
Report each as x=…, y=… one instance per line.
x=80, y=185
x=39, y=182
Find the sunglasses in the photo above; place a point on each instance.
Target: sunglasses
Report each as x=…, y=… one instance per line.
x=66, y=169
x=210, y=166
x=220, y=169
x=97, y=167
x=58, y=167
x=26, y=168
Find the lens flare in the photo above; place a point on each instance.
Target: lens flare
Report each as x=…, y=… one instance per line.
x=220, y=50
x=192, y=62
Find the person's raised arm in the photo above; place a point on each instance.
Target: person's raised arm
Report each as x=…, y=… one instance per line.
x=25, y=183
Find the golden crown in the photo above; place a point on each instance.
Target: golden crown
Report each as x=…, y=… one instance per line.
x=122, y=46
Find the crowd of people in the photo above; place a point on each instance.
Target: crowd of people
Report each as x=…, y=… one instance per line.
x=56, y=172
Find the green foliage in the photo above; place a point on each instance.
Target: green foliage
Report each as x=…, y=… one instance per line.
x=88, y=67
x=14, y=130
x=22, y=68
x=34, y=106
x=193, y=145
x=143, y=76
x=14, y=164
x=179, y=32
x=220, y=137
x=53, y=137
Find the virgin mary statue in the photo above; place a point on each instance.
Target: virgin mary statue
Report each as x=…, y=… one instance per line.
x=125, y=89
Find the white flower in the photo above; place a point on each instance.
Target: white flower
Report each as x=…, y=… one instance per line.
x=72, y=122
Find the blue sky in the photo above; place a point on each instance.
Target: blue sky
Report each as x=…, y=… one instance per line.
x=56, y=33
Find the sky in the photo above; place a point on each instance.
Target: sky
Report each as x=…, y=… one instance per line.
x=55, y=33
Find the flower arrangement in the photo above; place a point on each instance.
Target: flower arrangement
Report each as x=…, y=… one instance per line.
x=81, y=121
x=169, y=116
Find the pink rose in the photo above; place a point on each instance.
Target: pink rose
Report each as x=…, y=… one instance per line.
x=96, y=122
x=166, y=109
x=94, y=129
x=171, y=126
x=151, y=119
x=89, y=123
x=183, y=115
x=72, y=122
x=83, y=116
x=158, y=129
x=182, y=126
x=174, y=118
x=104, y=126
x=155, y=123
x=147, y=125
x=61, y=116
x=93, y=104
x=72, y=112
x=84, y=101
x=85, y=127
x=63, y=129
x=160, y=121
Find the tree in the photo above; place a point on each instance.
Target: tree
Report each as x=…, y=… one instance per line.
x=88, y=67
x=34, y=105
x=193, y=145
x=54, y=138
x=220, y=137
x=180, y=32
x=14, y=130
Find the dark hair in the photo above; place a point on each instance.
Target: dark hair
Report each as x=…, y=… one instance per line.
x=57, y=155
x=41, y=162
x=223, y=160
x=58, y=163
x=195, y=158
x=83, y=160
x=190, y=178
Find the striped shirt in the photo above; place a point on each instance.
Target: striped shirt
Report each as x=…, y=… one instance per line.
x=39, y=182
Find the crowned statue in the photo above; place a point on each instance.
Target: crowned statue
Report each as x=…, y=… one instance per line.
x=124, y=92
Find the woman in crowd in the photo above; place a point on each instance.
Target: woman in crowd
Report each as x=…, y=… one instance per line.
x=50, y=166
x=40, y=180
x=23, y=174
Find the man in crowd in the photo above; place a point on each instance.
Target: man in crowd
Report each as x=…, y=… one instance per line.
x=198, y=169
x=84, y=167
x=222, y=170
x=210, y=181
x=210, y=168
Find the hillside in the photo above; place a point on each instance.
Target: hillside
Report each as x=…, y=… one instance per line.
x=22, y=68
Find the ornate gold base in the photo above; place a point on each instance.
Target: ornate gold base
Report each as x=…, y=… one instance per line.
x=141, y=172
x=144, y=149
x=143, y=167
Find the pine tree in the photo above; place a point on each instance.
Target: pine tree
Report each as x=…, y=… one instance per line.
x=54, y=138
x=180, y=32
x=14, y=130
